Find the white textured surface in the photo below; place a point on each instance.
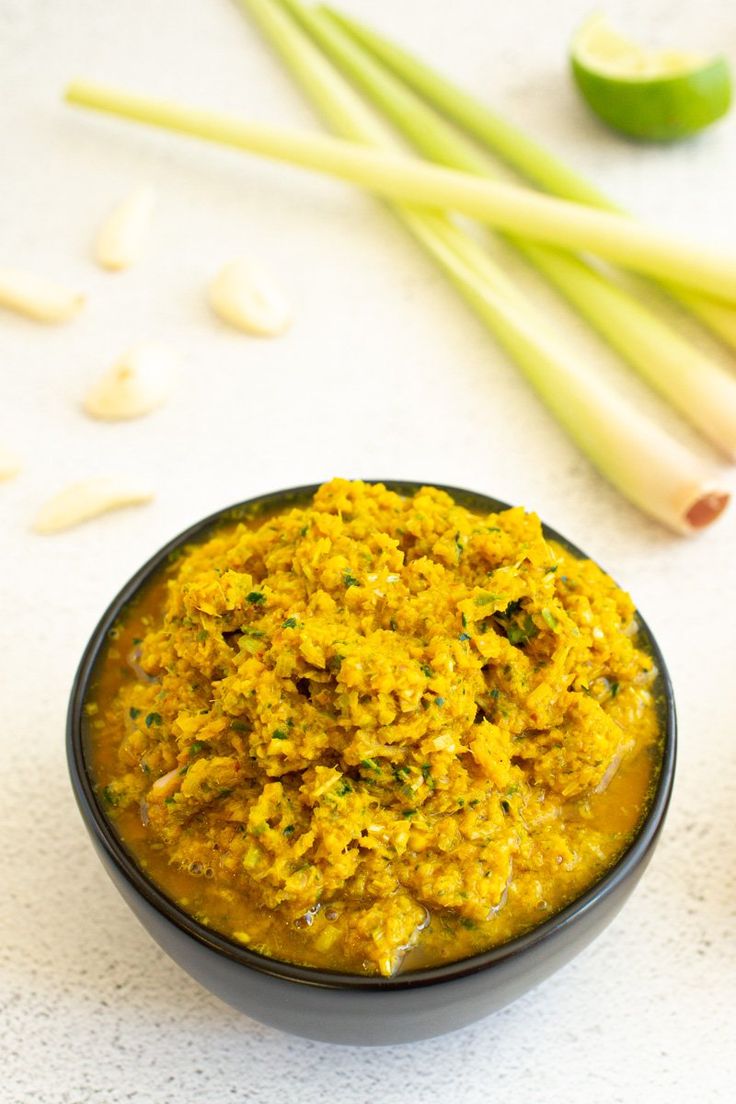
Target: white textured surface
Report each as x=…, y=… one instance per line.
x=385, y=373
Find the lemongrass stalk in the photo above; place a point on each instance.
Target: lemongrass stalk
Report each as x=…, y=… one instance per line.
x=347, y=114
x=516, y=148
x=506, y=206
x=699, y=388
x=718, y=317
x=656, y=473
x=651, y=469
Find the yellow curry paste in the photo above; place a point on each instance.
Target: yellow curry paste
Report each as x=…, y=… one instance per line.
x=376, y=731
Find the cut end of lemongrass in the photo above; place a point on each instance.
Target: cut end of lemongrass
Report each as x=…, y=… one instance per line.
x=705, y=509
x=83, y=501
x=121, y=238
x=38, y=298
x=140, y=381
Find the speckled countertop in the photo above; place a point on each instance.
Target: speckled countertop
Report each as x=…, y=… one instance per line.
x=384, y=372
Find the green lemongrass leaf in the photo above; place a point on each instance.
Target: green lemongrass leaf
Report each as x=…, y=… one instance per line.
x=509, y=207
x=699, y=388
x=518, y=150
x=645, y=464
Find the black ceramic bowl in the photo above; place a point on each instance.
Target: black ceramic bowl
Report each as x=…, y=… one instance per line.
x=343, y=1008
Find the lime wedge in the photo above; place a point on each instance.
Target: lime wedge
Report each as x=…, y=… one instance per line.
x=657, y=95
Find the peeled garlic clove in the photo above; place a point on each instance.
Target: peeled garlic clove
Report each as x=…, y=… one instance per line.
x=82, y=501
x=9, y=464
x=122, y=236
x=245, y=296
x=140, y=381
x=37, y=297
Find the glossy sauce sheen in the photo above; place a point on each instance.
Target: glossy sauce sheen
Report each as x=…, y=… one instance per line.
x=574, y=811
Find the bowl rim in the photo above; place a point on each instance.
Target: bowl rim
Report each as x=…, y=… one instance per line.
x=104, y=833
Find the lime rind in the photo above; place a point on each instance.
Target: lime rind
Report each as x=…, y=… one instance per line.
x=651, y=95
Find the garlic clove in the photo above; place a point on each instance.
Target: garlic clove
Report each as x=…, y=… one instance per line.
x=140, y=381
x=36, y=297
x=245, y=296
x=121, y=238
x=9, y=464
x=82, y=501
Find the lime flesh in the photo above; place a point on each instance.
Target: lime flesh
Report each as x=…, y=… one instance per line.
x=655, y=96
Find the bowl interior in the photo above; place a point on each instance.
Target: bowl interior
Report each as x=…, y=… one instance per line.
x=106, y=837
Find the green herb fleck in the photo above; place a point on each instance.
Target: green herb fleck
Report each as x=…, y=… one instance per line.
x=615, y=687
x=134, y=713
x=521, y=633
x=289, y=623
x=349, y=580
x=111, y=798
x=370, y=764
x=486, y=599
x=255, y=597
x=439, y=702
x=427, y=670
x=289, y=830
x=279, y=734
x=406, y=813
x=202, y=635
x=549, y=617
x=153, y=719
x=463, y=636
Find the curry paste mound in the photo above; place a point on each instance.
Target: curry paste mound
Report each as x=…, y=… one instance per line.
x=376, y=729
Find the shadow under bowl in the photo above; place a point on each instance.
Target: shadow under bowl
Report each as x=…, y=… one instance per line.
x=337, y=1007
